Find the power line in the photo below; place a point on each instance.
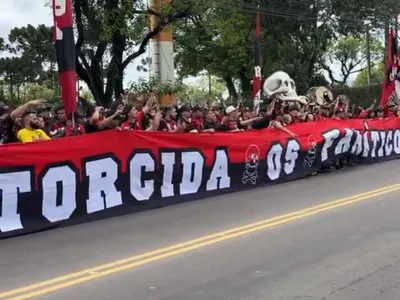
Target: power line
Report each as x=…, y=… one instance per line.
x=279, y=12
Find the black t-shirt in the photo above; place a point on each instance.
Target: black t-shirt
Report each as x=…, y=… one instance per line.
x=230, y=125
x=167, y=125
x=209, y=125
x=90, y=128
x=262, y=123
x=189, y=126
x=7, y=133
x=213, y=125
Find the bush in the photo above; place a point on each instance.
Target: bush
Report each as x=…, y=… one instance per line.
x=360, y=96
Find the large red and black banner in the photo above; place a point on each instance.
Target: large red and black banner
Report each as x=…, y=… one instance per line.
x=83, y=178
x=65, y=48
x=391, y=80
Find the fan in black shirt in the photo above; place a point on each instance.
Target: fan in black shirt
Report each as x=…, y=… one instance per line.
x=210, y=121
x=7, y=134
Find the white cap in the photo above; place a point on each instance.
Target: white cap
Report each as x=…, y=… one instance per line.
x=230, y=109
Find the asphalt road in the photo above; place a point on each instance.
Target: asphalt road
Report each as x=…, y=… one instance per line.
x=344, y=253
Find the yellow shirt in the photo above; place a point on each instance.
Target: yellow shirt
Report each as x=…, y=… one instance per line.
x=31, y=135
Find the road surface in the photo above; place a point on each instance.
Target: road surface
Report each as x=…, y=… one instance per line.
x=344, y=250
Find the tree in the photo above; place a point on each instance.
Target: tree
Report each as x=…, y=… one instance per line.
x=219, y=42
x=143, y=86
x=351, y=53
x=26, y=92
x=295, y=38
x=87, y=95
x=377, y=73
x=31, y=62
x=34, y=46
x=12, y=69
x=205, y=89
x=118, y=30
x=36, y=91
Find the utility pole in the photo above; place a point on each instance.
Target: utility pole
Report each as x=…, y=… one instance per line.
x=209, y=85
x=162, y=52
x=396, y=24
x=368, y=55
x=387, y=27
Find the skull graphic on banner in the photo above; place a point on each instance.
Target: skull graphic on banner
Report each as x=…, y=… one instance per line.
x=252, y=159
x=311, y=152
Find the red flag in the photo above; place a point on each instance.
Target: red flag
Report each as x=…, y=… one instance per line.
x=257, y=64
x=65, y=48
x=392, y=71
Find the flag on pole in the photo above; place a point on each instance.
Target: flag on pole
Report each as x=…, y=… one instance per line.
x=391, y=80
x=257, y=64
x=65, y=49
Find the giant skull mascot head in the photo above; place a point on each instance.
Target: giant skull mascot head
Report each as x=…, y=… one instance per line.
x=281, y=86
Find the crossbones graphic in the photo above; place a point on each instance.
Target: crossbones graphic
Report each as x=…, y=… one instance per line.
x=252, y=157
x=311, y=152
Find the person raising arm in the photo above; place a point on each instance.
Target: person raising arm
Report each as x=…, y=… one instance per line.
x=31, y=131
x=7, y=119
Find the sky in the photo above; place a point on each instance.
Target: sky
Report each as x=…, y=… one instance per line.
x=18, y=13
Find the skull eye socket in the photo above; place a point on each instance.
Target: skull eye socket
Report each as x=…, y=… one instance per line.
x=292, y=85
x=286, y=83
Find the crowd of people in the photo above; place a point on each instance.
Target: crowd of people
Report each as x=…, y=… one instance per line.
x=35, y=121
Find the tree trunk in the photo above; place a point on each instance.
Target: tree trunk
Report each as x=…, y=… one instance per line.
x=51, y=75
x=18, y=93
x=11, y=86
x=387, y=28
x=118, y=48
x=231, y=87
x=92, y=79
x=245, y=84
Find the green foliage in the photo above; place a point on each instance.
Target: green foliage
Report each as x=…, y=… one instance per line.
x=218, y=41
x=204, y=89
x=360, y=96
x=36, y=91
x=31, y=61
x=351, y=53
x=112, y=34
x=377, y=73
x=300, y=37
x=296, y=38
x=27, y=92
x=87, y=95
x=194, y=92
x=163, y=88
x=221, y=40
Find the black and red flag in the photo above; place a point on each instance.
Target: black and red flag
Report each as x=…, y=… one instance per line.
x=391, y=80
x=257, y=64
x=65, y=48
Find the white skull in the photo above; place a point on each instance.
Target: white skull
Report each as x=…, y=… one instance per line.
x=292, y=92
x=279, y=83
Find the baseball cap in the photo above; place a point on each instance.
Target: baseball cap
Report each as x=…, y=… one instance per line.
x=230, y=109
